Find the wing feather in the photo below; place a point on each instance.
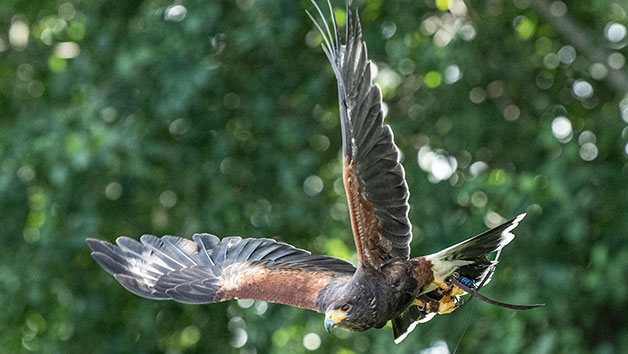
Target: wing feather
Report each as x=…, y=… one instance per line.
x=374, y=179
x=207, y=269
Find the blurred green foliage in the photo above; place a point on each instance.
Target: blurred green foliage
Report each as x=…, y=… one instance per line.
x=131, y=117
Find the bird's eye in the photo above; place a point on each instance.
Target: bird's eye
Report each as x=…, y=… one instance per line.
x=345, y=308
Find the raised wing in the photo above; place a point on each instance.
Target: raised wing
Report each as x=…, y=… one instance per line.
x=207, y=269
x=373, y=177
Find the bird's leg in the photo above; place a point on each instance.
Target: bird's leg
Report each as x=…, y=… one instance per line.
x=441, y=284
x=428, y=306
x=447, y=303
x=421, y=304
x=455, y=291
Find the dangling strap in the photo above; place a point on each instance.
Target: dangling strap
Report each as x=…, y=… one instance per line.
x=473, y=292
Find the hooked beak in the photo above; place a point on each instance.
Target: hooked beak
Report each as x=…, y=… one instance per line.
x=332, y=318
x=329, y=323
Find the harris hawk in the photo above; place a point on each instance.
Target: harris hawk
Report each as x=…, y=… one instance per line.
x=386, y=285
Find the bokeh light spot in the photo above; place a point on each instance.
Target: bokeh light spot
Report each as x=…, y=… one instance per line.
x=25, y=72
x=26, y=173
x=561, y=128
x=616, y=61
x=495, y=89
x=452, y=74
x=66, y=11
x=558, y=9
x=76, y=31
x=36, y=88
x=582, y=89
x=433, y=79
x=245, y=4
x=457, y=8
x=168, y=199
x=479, y=199
x=477, y=168
x=512, y=112
x=598, y=71
x=615, y=32
x=67, y=50
x=551, y=61
x=109, y=114
x=567, y=54
x=442, y=5
x=544, y=80
x=175, y=13
x=245, y=303
x=239, y=339
x=497, y=177
x=623, y=107
x=477, y=95
x=178, y=127
x=467, y=32
x=437, y=163
x=261, y=307
x=388, y=29
x=341, y=16
x=313, y=185
x=311, y=341
x=524, y=26
x=319, y=142
x=407, y=66
x=190, y=335
x=18, y=34
x=113, y=191
x=388, y=79
x=439, y=347
x=56, y=64
x=588, y=151
x=587, y=136
x=492, y=219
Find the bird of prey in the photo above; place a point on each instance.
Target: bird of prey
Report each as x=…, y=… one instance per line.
x=386, y=285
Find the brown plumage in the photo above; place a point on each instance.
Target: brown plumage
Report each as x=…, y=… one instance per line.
x=386, y=285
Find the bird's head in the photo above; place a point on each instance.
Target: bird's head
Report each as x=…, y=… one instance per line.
x=336, y=316
x=355, y=311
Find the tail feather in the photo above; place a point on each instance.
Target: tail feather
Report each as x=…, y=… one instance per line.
x=468, y=258
x=404, y=324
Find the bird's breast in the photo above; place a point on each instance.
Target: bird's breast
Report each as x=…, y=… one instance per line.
x=397, y=290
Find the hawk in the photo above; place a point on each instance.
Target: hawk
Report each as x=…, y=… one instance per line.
x=386, y=285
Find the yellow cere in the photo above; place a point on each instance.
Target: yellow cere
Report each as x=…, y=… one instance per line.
x=337, y=315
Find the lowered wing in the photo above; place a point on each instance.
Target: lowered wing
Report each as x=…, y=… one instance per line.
x=373, y=177
x=207, y=269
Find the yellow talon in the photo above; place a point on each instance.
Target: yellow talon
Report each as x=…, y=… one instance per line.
x=455, y=291
x=447, y=305
x=441, y=284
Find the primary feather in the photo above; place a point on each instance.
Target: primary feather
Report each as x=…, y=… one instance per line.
x=208, y=269
x=374, y=179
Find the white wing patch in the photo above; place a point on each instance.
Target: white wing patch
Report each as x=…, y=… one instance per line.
x=445, y=263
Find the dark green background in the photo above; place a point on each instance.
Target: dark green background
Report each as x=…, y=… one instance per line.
x=215, y=122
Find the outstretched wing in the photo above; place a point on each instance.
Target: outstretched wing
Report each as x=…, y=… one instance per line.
x=207, y=269
x=373, y=177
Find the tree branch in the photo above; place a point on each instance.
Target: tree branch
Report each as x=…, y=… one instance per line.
x=577, y=36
